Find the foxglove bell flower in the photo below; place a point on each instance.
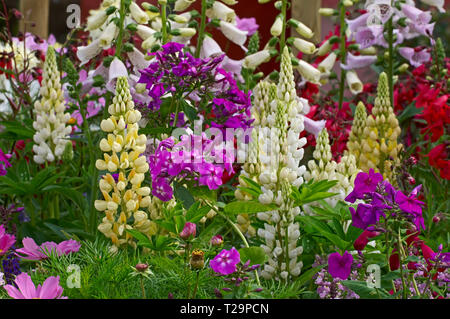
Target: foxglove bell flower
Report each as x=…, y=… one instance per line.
x=232, y=33
x=354, y=83
x=247, y=24
x=416, y=57
x=358, y=61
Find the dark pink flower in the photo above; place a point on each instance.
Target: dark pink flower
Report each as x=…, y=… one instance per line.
x=217, y=240
x=225, y=262
x=6, y=241
x=31, y=251
x=26, y=289
x=340, y=266
x=411, y=205
x=188, y=231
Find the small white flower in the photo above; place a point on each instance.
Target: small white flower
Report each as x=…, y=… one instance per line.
x=97, y=20
x=354, y=83
x=277, y=27
x=221, y=12
x=254, y=60
x=138, y=14
x=181, y=5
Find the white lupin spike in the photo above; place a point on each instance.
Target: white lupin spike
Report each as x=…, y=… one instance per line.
x=52, y=133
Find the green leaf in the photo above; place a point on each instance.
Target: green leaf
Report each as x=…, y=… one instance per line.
x=325, y=231
x=256, y=255
x=183, y=195
x=365, y=292
x=247, y=207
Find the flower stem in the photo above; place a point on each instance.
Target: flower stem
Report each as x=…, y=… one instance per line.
x=201, y=34
x=142, y=288
x=283, y=32
x=400, y=257
x=342, y=54
x=391, y=61
x=164, y=22
x=196, y=285
x=121, y=29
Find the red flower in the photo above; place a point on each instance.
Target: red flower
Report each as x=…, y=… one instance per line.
x=394, y=260
x=438, y=158
x=361, y=242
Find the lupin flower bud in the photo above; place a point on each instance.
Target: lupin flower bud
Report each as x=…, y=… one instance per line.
x=52, y=134
x=123, y=199
x=354, y=144
x=380, y=149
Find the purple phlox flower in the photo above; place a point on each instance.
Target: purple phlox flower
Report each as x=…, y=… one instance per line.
x=358, y=61
x=162, y=189
x=364, y=183
x=26, y=289
x=4, y=162
x=368, y=36
x=366, y=215
x=6, y=241
x=92, y=110
x=172, y=47
x=340, y=266
x=389, y=191
x=409, y=204
x=226, y=261
x=416, y=57
x=247, y=24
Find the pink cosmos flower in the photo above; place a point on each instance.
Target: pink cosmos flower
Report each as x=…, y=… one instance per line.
x=6, y=241
x=225, y=262
x=340, y=266
x=50, y=289
x=31, y=251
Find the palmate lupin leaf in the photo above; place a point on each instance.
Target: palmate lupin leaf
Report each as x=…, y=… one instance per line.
x=312, y=191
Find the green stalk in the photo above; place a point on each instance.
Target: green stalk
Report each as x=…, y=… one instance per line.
x=391, y=61
x=164, y=22
x=119, y=43
x=143, y=288
x=201, y=34
x=400, y=257
x=342, y=54
x=283, y=32
x=196, y=285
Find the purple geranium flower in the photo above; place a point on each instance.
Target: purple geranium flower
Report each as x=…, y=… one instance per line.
x=340, y=266
x=225, y=262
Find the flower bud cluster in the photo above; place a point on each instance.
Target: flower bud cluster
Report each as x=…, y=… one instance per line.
x=123, y=195
x=278, y=121
x=52, y=133
x=379, y=147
